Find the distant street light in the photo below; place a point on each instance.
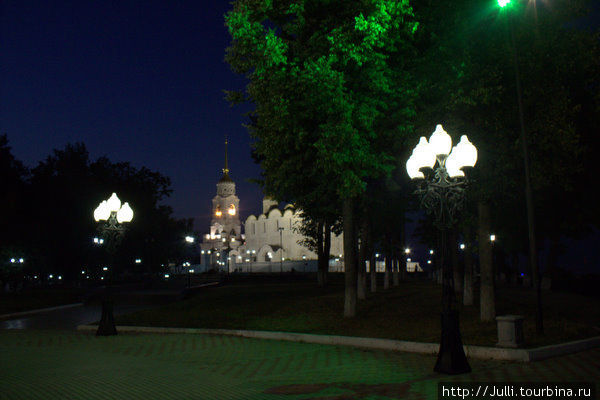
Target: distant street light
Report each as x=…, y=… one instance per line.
x=113, y=214
x=442, y=194
x=190, y=239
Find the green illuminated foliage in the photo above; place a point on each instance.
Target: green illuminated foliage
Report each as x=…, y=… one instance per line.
x=331, y=94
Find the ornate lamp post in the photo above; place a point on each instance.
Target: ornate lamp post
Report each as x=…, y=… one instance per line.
x=113, y=215
x=438, y=167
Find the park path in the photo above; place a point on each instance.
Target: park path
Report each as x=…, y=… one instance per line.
x=70, y=318
x=39, y=364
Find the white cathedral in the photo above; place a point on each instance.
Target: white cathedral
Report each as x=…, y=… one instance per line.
x=269, y=240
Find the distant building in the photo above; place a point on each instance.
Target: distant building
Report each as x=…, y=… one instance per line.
x=269, y=237
x=225, y=227
x=274, y=234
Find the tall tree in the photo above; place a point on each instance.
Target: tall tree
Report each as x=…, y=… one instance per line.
x=67, y=186
x=468, y=83
x=328, y=82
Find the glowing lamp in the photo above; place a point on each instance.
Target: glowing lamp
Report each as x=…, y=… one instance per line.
x=102, y=212
x=424, y=153
x=453, y=165
x=125, y=214
x=503, y=3
x=440, y=142
x=114, y=204
x=466, y=152
x=189, y=239
x=412, y=168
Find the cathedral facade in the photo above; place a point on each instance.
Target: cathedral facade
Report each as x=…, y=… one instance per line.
x=272, y=236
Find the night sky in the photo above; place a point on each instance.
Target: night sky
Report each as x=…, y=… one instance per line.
x=135, y=81
x=140, y=82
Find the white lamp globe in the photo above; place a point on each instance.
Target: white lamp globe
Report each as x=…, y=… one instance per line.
x=453, y=165
x=114, y=204
x=423, y=153
x=467, y=152
x=412, y=168
x=125, y=214
x=440, y=141
x=102, y=212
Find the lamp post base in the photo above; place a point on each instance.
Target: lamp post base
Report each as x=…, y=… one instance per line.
x=107, y=322
x=451, y=357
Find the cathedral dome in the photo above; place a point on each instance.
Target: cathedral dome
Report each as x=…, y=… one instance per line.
x=225, y=178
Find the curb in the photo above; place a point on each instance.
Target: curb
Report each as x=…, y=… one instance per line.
x=496, y=353
x=39, y=310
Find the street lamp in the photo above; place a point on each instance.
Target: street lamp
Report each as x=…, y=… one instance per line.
x=533, y=262
x=439, y=167
x=113, y=214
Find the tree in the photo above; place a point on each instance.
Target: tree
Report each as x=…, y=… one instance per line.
x=321, y=80
x=472, y=90
x=317, y=237
x=13, y=176
x=67, y=186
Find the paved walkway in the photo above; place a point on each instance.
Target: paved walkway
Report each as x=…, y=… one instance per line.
x=69, y=365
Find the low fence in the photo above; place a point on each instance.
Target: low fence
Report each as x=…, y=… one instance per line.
x=263, y=267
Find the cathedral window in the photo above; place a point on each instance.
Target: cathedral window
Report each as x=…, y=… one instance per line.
x=231, y=210
x=218, y=212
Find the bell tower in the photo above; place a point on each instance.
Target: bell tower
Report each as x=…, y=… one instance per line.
x=225, y=221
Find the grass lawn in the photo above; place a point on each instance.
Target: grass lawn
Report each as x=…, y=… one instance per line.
x=410, y=311
x=34, y=298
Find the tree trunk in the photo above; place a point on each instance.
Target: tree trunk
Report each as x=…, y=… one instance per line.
x=326, y=252
x=402, y=264
x=468, y=281
x=487, y=307
x=396, y=266
x=373, y=273
x=320, y=252
x=457, y=267
x=386, y=273
x=371, y=255
x=362, y=266
x=350, y=257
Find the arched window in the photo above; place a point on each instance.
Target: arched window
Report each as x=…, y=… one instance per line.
x=218, y=212
x=231, y=210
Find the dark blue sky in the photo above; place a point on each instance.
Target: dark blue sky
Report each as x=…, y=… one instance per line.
x=136, y=81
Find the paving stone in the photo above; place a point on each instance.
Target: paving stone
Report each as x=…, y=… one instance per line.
x=70, y=365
